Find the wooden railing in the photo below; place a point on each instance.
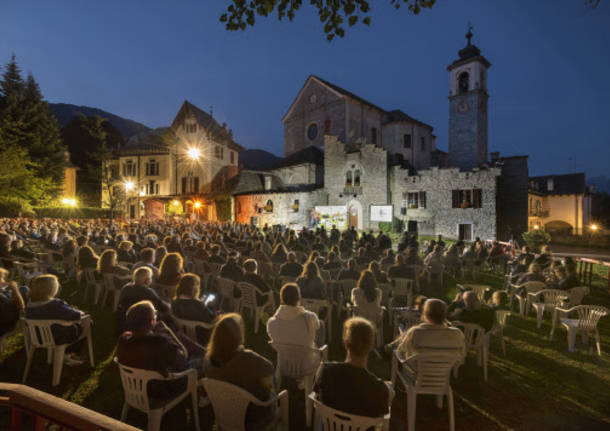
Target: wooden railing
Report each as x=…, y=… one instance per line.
x=48, y=409
x=585, y=270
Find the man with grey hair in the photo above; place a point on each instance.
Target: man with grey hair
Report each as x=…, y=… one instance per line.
x=139, y=290
x=433, y=334
x=474, y=312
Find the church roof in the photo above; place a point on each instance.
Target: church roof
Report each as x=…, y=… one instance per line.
x=396, y=114
x=311, y=154
x=215, y=130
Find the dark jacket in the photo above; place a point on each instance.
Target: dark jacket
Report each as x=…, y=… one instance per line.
x=57, y=309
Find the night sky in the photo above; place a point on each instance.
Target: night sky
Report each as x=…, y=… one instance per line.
x=549, y=83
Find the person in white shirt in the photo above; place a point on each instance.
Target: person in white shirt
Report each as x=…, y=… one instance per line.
x=291, y=323
x=433, y=334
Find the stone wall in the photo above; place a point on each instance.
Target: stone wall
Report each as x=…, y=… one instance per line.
x=393, y=141
x=318, y=105
x=438, y=217
x=253, y=205
x=468, y=130
x=373, y=189
x=305, y=173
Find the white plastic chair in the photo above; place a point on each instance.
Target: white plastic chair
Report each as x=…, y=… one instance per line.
x=315, y=305
x=410, y=318
x=476, y=341
x=300, y=363
x=248, y=300
x=479, y=290
x=403, y=287
x=93, y=284
x=375, y=317
x=546, y=300
x=431, y=375
x=329, y=419
x=37, y=334
x=575, y=296
x=189, y=327
x=135, y=384
x=226, y=286
x=498, y=329
x=230, y=403
x=109, y=288
x=588, y=317
x=530, y=287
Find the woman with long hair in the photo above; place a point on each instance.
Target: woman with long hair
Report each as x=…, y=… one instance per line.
x=171, y=269
x=311, y=284
x=366, y=295
x=87, y=258
x=107, y=264
x=160, y=253
x=229, y=361
x=187, y=305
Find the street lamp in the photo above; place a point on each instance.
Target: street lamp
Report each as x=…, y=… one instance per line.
x=594, y=227
x=129, y=186
x=193, y=153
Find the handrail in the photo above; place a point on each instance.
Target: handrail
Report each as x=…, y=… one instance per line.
x=46, y=407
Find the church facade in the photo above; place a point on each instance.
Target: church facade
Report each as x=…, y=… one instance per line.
x=372, y=159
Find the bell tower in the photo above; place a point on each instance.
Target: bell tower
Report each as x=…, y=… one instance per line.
x=468, y=107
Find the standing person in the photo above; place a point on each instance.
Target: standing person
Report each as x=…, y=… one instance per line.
x=349, y=386
x=228, y=360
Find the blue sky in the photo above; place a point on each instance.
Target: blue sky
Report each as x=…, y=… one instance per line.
x=549, y=83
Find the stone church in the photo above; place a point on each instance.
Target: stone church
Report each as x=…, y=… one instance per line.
x=346, y=155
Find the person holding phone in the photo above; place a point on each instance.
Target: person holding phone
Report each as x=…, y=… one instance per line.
x=188, y=306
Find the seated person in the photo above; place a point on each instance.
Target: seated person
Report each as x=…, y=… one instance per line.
x=432, y=334
x=498, y=300
x=399, y=269
x=107, y=264
x=11, y=302
x=149, y=344
x=291, y=268
x=380, y=276
x=310, y=283
x=44, y=305
x=388, y=257
x=545, y=257
x=126, y=253
x=251, y=276
x=232, y=270
x=348, y=386
x=215, y=255
x=279, y=253
x=474, y=312
x=228, y=360
x=350, y=273
x=171, y=269
x=140, y=290
x=188, y=306
x=534, y=274
x=147, y=259
x=570, y=278
x=414, y=311
x=367, y=296
x=291, y=323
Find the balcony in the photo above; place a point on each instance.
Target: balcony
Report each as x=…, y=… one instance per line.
x=352, y=190
x=539, y=212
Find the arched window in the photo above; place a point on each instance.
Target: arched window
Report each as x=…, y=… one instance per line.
x=295, y=206
x=357, y=178
x=269, y=206
x=463, y=82
x=348, y=178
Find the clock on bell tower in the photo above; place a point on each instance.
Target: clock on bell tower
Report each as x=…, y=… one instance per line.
x=468, y=108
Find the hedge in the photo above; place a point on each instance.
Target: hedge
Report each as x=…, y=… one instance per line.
x=66, y=213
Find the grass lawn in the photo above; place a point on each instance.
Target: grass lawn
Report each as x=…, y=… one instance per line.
x=539, y=385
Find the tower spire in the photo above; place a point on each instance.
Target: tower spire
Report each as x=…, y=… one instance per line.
x=469, y=34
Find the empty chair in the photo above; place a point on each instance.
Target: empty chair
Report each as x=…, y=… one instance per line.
x=315, y=306
x=110, y=288
x=587, y=318
x=498, y=329
x=329, y=419
x=135, y=383
x=431, y=376
x=93, y=285
x=522, y=298
x=226, y=287
x=402, y=287
x=546, y=300
x=474, y=336
x=248, y=300
x=230, y=403
x=300, y=363
x=37, y=334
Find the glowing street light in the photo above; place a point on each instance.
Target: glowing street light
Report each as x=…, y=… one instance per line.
x=175, y=202
x=594, y=227
x=197, y=205
x=536, y=227
x=69, y=202
x=193, y=153
x=129, y=186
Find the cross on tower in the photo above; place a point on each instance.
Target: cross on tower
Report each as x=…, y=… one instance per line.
x=469, y=34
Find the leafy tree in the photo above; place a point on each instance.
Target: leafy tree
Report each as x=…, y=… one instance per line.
x=80, y=136
x=101, y=166
x=535, y=239
x=26, y=122
x=333, y=13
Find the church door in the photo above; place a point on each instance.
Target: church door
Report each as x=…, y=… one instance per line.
x=353, y=216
